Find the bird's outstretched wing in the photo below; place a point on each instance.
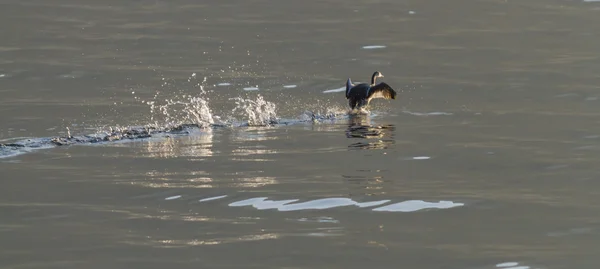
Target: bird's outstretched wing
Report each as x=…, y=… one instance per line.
x=382, y=90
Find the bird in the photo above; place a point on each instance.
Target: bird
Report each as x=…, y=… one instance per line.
x=360, y=95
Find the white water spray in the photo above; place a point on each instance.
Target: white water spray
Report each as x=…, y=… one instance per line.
x=258, y=112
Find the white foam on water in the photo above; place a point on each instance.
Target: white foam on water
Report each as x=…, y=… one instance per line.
x=212, y=198
x=2, y=75
x=416, y=205
x=591, y=0
x=507, y=264
x=411, y=12
x=370, y=47
x=342, y=89
x=427, y=113
x=421, y=158
x=224, y=84
x=173, y=197
x=290, y=86
x=251, y=89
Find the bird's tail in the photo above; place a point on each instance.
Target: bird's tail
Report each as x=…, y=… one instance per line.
x=348, y=87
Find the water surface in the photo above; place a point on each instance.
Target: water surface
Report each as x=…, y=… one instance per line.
x=228, y=143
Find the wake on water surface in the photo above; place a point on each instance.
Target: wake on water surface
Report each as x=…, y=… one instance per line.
x=193, y=114
x=186, y=114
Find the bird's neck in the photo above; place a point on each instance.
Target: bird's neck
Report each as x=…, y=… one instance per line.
x=373, y=79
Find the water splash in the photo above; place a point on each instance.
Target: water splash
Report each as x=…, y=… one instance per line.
x=179, y=110
x=258, y=112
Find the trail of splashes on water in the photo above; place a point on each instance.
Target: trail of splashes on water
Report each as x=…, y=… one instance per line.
x=258, y=112
x=180, y=110
x=187, y=109
x=173, y=112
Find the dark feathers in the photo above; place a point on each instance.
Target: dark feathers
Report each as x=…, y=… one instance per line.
x=360, y=95
x=381, y=90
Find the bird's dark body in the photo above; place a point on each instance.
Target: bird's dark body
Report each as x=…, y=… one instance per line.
x=360, y=95
x=357, y=95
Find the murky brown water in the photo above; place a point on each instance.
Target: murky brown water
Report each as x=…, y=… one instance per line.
x=488, y=159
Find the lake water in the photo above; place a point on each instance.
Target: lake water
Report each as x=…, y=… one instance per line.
x=228, y=143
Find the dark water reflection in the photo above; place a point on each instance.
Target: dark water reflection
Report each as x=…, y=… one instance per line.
x=374, y=136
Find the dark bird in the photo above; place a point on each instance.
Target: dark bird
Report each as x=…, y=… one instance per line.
x=360, y=95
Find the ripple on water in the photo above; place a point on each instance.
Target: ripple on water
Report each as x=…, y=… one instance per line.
x=324, y=203
x=262, y=203
x=319, y=219
x=290, y=86
x=507, y=264
x=212, y=198
x=335, y=90
x=416, y=205
x=248, y=202
x=512, y=265
x=224, y=84
x=373, y=203
x=251, y=89
x=435, y=113
x=371, y=47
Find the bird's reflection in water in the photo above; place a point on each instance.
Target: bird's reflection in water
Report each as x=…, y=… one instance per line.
x=379, y=136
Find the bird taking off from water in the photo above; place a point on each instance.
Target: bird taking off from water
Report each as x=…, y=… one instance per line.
x=360, y=95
